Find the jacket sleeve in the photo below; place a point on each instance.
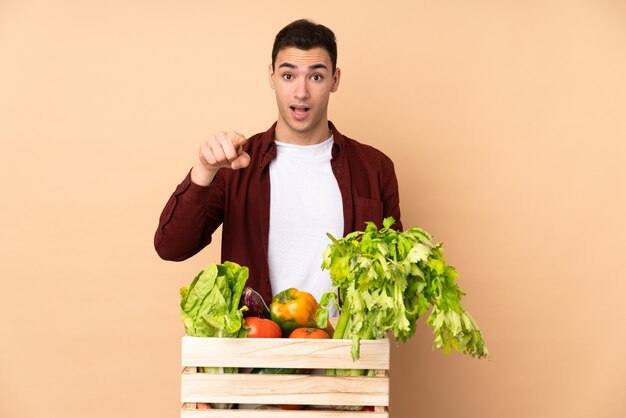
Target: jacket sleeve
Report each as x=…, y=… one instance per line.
x=189, y=218
x=390, y=193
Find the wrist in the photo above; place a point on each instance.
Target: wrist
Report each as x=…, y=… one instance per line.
x=201, y=175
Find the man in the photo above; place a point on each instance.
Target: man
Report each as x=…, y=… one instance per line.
x=278, y=193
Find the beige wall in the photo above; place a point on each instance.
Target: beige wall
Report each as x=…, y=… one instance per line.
x=506, y=121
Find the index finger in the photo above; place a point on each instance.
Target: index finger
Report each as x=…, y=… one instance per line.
x=236, y=138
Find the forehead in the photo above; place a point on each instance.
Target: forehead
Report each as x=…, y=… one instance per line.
x=303, y=58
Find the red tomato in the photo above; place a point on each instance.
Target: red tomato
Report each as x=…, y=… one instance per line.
x=309, y=333
x=262, y=328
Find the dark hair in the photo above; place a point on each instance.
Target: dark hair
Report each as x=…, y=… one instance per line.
x=305, y=34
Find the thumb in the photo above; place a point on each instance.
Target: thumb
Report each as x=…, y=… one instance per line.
x=242, y=161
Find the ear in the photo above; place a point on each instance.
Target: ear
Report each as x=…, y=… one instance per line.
x=271, y=76
x=336, y=78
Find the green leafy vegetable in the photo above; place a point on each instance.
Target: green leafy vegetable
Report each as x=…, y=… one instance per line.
x=210, y=304
x=210, y=307
x=387, y=279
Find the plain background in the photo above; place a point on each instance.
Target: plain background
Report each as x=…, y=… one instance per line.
x=507, y=124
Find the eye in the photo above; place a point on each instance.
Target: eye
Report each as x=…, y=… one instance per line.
x=317, y=77
x=287, y=76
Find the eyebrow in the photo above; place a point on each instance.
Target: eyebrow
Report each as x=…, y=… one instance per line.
x=295, y=67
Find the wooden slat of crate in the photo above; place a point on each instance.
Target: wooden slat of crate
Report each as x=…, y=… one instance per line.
x=241, y=413
x=285, y=389
x=282, y=352
x=309, y=390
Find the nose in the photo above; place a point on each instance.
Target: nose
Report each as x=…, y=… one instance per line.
x=301, y=89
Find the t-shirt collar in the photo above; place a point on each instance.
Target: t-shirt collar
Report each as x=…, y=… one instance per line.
x=268, y=138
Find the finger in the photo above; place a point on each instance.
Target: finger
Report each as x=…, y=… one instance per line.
x=236, y=138
x=231, y=152
x=219, y=154
x=206, y=155
x=241, y=162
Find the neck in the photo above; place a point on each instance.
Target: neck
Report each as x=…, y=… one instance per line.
x=319, y=134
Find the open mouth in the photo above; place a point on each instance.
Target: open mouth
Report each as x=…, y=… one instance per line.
x=299, y=112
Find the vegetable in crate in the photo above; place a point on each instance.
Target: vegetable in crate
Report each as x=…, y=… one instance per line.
x=210, y=307
x=312, y=333
x=293, y=308
x=254, y=303
x=387, y=279
x=262, y=328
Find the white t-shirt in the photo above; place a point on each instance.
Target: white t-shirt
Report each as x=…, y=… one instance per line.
x=305, y=204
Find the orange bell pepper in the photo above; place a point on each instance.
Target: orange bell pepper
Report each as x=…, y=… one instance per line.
x=292, y=309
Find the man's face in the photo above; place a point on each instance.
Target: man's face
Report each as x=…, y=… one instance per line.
x=303, y=81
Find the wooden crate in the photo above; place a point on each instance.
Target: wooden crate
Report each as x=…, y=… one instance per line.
x=316, y=390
